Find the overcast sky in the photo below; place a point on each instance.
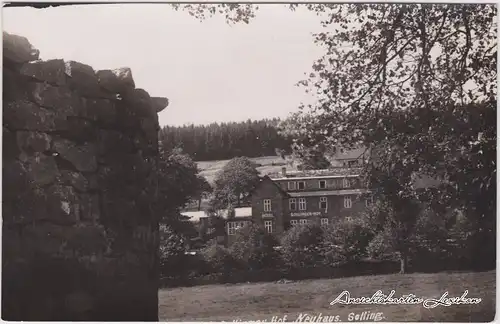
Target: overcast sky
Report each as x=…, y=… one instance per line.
x=210, y=71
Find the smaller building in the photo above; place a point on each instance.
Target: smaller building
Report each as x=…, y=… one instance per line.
x=351, y=158
x=225, y=226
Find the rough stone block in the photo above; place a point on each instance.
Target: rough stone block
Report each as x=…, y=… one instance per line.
x=159, y=103
x=80, y=302
x=51, y=71
x=44, y=238
x=54, y=203
x=31, y=142
x=64, y=101
x=93, y=181
x=61, y=204
x=53, y=134
x=18, y=49
x=10, y=148
x=14, y=177
x=140, y=103
x=15, y=87
x=100, y=110
x=82, y=157
x=58, y=104
x=149, y=148
x=79, y=130
x=116, y=81
x=81, y=75
x=66, y=240
x=42, y=169
x=150, y=128
x=122, y=168
x=111, y=141
x=86, y=239
x=75, y=179
x=25, y=115
x=127, y=117
x=89, y=207
x=118, y=212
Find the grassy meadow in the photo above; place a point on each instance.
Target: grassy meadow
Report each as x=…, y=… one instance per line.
x=296, y=300
x=210, y=168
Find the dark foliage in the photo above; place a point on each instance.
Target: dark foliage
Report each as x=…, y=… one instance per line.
x=221, y=141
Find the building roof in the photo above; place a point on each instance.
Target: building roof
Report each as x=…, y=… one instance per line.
x=312, y=174
x=423, y=181
x=352, y=154
x=329, y=193
x=238, y=212
x=242, y=212
x=267, y=178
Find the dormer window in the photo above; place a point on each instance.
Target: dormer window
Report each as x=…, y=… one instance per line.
x=346, y=183
x=347, y=202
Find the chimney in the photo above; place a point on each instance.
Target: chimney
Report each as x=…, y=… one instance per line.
x=231, y=213
x=283, y=172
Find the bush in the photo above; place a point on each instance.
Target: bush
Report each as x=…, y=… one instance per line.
x=218, y=259
x=430, y=239
x=253, y=248
x=381, y=246
x=472, y=244
x=345, y=241
x=172, y=252
x=301, y=246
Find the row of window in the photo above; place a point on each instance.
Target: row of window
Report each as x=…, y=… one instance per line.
x=323, y=203
x=301, y=185
x=302, y=203
x=232, y=227
x=324, y=221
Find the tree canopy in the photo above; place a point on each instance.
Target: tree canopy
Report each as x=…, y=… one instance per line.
x=178, y=183
x=220, y=141
x=234, y=183
x=416, y=82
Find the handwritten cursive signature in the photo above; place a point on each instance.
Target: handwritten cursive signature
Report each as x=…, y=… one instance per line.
x=445, y=301
x=379, y=298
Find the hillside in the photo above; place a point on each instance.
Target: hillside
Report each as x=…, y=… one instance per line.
x=267, y=164
x=220, y=141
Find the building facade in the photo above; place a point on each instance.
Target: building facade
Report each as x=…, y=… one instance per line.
x=300, y=197
x=290, y=198
x=283, y=200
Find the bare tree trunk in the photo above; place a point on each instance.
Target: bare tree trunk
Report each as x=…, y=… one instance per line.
x=404, y=262
x=199, y=204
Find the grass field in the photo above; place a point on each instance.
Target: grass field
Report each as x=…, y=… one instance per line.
x=210, y=168
x=263, y=301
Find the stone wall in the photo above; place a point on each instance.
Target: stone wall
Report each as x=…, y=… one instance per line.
x=80, y=147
